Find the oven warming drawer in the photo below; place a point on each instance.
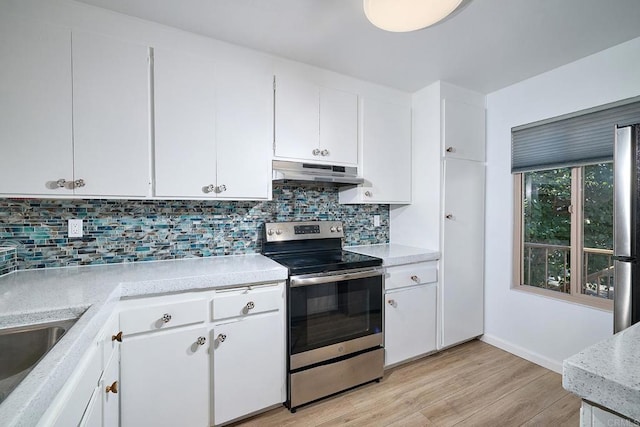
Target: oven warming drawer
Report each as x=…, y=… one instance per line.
x=311, y=357
x=321, y=381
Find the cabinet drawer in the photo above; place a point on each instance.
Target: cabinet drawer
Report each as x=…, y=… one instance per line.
x=410, y=275
x=163, y=316
x=236, y=303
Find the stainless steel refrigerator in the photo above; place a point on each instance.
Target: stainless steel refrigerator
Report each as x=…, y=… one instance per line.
x=626, y=307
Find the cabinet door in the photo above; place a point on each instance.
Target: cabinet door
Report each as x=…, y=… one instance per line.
x=386, y=163
x=93, y=414
x=297, y=119
x=244, y=132
x=338, y=126
x=35, y=107
x=463, y=130
x=185, y=131
x=111, y=398
x=110, y=116
x=410, y=323
x=462, y=290
x=165, y=379
x=248, y=366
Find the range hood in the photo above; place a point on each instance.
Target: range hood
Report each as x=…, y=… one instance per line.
x=284, y=171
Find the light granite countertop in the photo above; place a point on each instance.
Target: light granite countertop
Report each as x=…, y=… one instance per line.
x=393, y=254
x=91, y=293
x=608, y=373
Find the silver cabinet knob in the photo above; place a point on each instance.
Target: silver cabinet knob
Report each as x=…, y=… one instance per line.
x=391, y=302
x=415, y=278
x=78, y=183
x=368, y=193
x=451, y=150
x=222, y=337
x=449, y=216
x=208, y=188
x=324, y=152
x=221, y=188
x=201, y=340
x=61, y=183
x=316, y=152
x=166, y=317
x=250, y=305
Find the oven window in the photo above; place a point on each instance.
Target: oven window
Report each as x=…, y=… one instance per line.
x=329, y=313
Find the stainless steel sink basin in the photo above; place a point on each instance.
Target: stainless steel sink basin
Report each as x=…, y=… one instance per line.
x=21, y=348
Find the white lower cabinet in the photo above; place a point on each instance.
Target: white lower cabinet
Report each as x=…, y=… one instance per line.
x=248, y=369
x=165, y=377
x=410, y=311
x=410, y=323
x=594, y=416
x=84, y=400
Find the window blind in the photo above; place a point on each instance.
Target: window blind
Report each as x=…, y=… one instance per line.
x=572, y=140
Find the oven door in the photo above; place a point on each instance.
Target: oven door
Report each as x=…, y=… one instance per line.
x=333, y=315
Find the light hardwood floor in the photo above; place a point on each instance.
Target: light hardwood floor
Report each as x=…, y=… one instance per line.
x=474, y=384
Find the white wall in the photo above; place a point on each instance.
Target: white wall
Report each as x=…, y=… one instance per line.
x=538, y=328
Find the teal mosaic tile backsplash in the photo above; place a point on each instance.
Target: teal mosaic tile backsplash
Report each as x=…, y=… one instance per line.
x=7, y=260
x=143, y=230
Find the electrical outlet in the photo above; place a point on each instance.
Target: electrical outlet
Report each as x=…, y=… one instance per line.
x=376, y=220
x=75, y=228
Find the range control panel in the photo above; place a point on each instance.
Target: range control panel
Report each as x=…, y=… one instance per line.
x=283, y=231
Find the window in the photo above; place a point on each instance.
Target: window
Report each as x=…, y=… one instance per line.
x=564, y=232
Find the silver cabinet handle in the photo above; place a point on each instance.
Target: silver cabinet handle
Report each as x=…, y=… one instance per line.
x=250, y=305
x=61, y=183
x=166, y=317
x=415, y=278
x=208, y=188
x=316, y=152
x=368, y=193
x=222, y=337
x=451, y=150
x=449, y=216
x=78, y=183
x=391, y=302
x=324, y=152
x=201, y=341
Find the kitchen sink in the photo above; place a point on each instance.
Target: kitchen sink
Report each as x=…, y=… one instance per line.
x=21, y=348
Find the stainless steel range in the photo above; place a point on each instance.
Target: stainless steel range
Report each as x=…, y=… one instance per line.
x=334, y=310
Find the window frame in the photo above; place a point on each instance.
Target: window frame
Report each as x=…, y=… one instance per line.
x=576, y=259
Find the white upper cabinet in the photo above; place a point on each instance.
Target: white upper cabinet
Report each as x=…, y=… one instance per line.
x=463, y=130
x=386, y=155
x=213, y=128
x=244, y=131
x=35, y=107
x=110, y=116
x=315, y=123
x=184, y=99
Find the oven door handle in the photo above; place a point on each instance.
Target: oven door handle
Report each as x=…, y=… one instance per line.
x=297, y=281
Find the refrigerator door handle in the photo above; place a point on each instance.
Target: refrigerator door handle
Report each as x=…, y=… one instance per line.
x=623, y=192
x=622, y=302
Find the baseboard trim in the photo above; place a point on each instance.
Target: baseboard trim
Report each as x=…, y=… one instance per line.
x=527, y=354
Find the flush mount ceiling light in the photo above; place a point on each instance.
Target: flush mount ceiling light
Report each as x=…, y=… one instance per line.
x=407, y=15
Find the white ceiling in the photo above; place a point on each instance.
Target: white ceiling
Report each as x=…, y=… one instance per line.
x=486, y=45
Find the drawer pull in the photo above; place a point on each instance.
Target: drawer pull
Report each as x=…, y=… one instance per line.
x=222, y=337
x=250, y=305
x=166, y=318
x=392, y=302
x=113, y=388
x=201, y=341
x=117, y=337
x=415, y=278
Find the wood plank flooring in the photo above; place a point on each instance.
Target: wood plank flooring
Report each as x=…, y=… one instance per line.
x=474, y=384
